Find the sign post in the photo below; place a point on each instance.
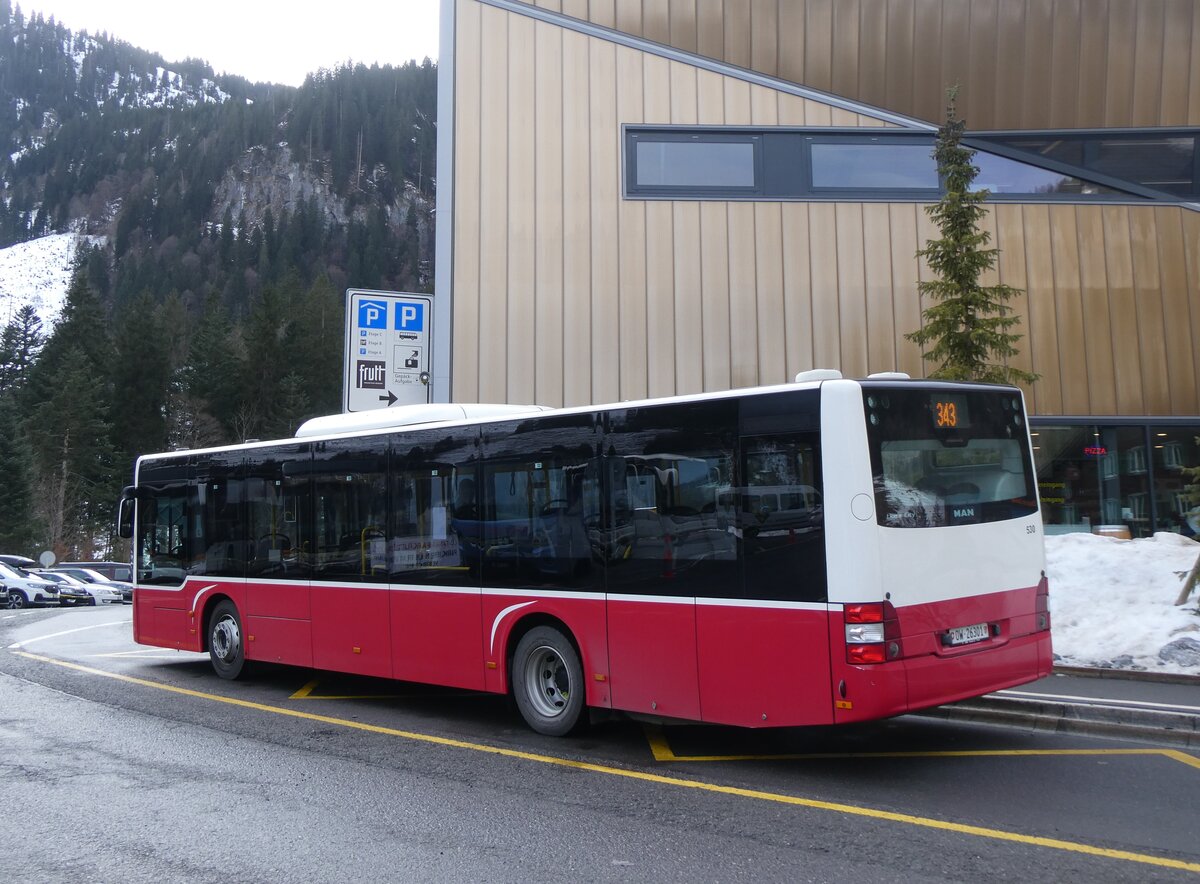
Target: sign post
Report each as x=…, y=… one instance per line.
x=387, y=349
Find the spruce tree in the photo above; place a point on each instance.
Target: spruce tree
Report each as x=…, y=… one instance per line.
x=20, y=343
x=17, y=524
x=970, y=324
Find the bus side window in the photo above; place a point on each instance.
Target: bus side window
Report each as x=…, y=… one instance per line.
x=781, y=520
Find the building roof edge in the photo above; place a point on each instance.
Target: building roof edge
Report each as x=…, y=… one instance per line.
x=709, y=64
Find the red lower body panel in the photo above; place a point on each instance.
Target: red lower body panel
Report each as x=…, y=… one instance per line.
x=437, y=638
x=763, y=667
x=652, y=646
x=932, y=671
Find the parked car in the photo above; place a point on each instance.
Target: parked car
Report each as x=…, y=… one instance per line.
x=3, y=596
x=92, y=577
x=19, y=561
x=117, y=572
x=74, y=591
x=27, y=589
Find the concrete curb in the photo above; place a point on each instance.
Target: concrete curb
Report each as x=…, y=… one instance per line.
x=1128, y=675
x=1123, y=722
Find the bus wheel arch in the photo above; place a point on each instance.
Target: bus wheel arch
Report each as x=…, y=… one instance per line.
x=224, y=637
x=545, y=676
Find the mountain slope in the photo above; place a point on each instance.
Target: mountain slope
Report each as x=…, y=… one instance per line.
x=217, y=224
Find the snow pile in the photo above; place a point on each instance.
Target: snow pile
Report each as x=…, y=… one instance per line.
x=1112, y=602
x=37, y=272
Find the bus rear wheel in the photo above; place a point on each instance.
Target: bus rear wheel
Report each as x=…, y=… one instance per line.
x=547, y=681
x=225, y=647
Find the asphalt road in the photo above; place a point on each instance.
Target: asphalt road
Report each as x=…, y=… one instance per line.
x=124, y=763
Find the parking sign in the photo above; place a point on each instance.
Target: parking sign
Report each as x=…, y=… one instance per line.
x=372, y=313
x=410, y=316
x=387, y=350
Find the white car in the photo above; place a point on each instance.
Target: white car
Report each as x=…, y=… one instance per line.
x=74, y=591
x=95, y=579
x=26, y=589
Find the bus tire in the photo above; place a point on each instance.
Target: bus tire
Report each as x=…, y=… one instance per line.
x=547, y=682
x=226, y=647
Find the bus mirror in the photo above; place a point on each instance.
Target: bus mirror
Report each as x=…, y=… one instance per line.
x=125, y=512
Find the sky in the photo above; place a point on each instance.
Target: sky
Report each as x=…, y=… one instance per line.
x=275, y=41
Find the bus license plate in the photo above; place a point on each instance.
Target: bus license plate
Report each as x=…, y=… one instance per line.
x=964, y=635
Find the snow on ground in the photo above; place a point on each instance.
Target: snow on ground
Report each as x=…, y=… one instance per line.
x=37, y=272
x=1112, y=602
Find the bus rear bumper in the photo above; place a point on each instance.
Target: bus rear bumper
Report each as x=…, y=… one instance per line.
x=910, y=685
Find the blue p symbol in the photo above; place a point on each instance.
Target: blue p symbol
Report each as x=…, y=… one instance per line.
x=410, y=316
x=372, y=314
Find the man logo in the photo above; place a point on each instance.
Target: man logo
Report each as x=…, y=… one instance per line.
x=371, y=375
x=372, y=314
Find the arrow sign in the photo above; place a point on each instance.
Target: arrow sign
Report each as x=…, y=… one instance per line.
x=389, y=398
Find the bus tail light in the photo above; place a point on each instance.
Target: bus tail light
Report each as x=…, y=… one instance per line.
x=872, y=632
x=1041, y=604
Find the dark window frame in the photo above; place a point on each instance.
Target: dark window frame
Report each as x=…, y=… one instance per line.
x=780, y=178
x=901, y=193
x=633, y=136
x=995, y=141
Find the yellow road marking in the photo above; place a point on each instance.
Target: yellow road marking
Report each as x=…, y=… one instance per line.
x=661, y=779
x=306, y=693
x=663, y=752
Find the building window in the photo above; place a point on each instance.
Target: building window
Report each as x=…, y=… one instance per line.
x=872, y=165
x=779, y=163
x=1000, y=175
x=1084, y=479
x=1164, y=161
x=693, y=162
x=1176, y=448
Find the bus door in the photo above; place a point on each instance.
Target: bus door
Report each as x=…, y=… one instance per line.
x=166, y=506
x=433, y=558
x=275, y=486
x=665, y=542
x=763, y=643
x=764, y=651
x=351, y=629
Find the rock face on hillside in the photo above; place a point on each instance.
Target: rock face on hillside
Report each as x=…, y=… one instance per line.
x=272, y=177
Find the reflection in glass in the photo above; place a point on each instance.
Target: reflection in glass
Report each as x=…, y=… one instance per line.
x=1092, y=478
x=1002, y=175
x=1176, y=449
x=1163, y=162
x=884, y=165
x=695, y=164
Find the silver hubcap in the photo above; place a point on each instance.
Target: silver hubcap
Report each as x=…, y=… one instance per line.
x=547, y=682
x=226, y=639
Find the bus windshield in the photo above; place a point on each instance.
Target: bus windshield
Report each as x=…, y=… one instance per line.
x=948, y=456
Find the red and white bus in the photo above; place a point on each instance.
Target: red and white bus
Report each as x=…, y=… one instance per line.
x=827, y=551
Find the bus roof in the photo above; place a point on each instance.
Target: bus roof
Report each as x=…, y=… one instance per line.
x=407, y=415
x=380, y=420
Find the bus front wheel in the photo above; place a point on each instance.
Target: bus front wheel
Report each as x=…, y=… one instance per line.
x=547, y=680
x=225, y=647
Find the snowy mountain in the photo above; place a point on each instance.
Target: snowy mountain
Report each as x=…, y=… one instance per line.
x=38, y=273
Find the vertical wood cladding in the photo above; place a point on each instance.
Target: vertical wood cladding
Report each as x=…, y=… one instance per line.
x=1020, y=63
x=566, y=294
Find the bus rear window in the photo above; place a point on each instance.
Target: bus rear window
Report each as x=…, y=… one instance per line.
x=951, y=456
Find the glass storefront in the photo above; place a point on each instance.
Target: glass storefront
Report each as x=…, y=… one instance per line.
x=1124, y=480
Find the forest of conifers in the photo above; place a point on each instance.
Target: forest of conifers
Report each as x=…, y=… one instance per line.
x=220, y=223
